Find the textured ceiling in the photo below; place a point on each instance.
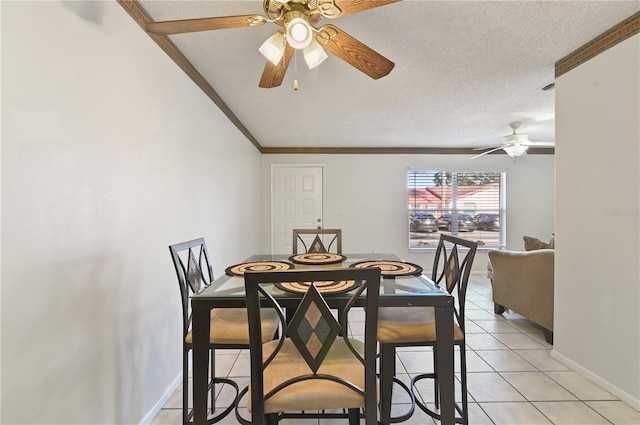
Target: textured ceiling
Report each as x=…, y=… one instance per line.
x=463, y=71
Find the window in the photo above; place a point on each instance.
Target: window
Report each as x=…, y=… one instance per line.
x=468, y=205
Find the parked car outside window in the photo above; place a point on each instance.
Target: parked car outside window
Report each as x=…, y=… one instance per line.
x=465, y=222
x=423, y=222
x=487, y=221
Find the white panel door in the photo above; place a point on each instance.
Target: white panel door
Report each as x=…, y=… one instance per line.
x=296, y=203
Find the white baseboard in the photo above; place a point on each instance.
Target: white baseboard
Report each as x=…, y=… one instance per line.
x=596, y=379
x=163, y=400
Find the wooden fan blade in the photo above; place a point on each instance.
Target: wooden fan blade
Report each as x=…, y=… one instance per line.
x=273, y=75
x=348, y=7
x=354, y=52
x=203, y=24
x=484, y=153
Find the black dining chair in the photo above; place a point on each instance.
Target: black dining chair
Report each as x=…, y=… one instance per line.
x=229, y=327
x=415, y=326
x=316, y=241
x=314, y=365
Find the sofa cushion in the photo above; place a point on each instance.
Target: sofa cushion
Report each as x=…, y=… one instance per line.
x=532, y=244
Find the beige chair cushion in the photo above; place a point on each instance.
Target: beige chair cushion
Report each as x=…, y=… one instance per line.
x=409, y=324
x=312, y=394
x=229, y=326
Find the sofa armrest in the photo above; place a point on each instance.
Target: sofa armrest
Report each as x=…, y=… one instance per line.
x=524, y=283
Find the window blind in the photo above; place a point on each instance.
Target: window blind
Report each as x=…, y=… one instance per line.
x=470, y=205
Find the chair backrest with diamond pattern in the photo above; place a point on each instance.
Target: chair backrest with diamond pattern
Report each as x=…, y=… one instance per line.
x=315, y=241
x=452, y=272
x=191, y=261
x=312, y=330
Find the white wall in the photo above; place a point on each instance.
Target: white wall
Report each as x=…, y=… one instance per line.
x=370, y=191
x=597, y=228
x=109, y=154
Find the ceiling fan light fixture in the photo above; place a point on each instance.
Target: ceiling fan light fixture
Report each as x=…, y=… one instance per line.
x=515, y=150
x=273, y=48
x=515, y=138
x=314, y=54
x=299, y=32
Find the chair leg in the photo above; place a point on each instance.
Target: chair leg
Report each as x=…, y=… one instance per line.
x=340, y=317
x=463, y=380
x=185, y=386
x=212, y=368
x=462, y=408
x=354, y=416
x=272, y=418
x=436, y=386
x=387, y=372
x=187, y=411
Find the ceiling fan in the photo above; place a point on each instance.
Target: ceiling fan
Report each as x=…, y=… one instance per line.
x=515, y=144
x=297, y=19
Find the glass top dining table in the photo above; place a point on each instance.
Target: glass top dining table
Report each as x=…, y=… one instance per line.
x=227, y=291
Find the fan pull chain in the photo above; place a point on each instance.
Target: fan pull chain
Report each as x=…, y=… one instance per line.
x=295, y=69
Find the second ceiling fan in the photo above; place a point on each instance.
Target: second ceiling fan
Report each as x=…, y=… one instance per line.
x=297, y=19
x=515, y=144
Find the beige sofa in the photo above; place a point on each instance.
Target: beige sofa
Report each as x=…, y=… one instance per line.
x=523, y=282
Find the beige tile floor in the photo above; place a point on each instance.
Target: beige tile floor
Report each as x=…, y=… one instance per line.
x=512, y=379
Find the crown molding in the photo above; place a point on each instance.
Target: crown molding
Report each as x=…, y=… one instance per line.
x=625, y=29
x=392, y=151
x=141, y=17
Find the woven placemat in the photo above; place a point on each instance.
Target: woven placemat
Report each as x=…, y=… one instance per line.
x=390, y=268
x=324, y=287
x=317, y=258
x=258, y=266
